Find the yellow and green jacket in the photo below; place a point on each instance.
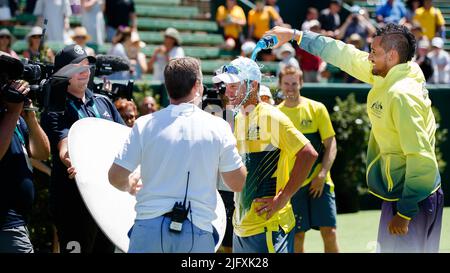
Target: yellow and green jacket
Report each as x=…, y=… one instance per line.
x=401, y=160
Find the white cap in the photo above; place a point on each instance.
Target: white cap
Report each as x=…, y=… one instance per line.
x=437, y=42
x=287, y=47
x=239, y=70
x=265, y=91
x=248, y=47
x=424, y=43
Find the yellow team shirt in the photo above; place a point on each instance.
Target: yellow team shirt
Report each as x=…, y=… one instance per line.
x=266, y=140
x=429, y=19
x=311, y=118
x=261, y=20
x=236, y=12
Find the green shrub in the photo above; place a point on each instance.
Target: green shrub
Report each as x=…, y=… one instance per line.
x=352, y=127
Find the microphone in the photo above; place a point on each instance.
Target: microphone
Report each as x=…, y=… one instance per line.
x=108, y=64
x=10, y=68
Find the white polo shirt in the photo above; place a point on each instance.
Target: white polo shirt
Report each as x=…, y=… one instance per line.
x=170, y=143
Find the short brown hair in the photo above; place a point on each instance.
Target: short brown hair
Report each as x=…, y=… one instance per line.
x=180, y=76
x=290, y=70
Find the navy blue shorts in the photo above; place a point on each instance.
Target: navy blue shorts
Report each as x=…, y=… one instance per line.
x=313, y=213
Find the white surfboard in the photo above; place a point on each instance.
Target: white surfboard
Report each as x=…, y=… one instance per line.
x=93, y=144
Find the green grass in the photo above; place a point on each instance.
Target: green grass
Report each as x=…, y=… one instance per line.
x=357, y=233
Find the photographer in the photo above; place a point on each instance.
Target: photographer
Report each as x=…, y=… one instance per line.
x=181, y=150
x=21, y=139
x=72, y=219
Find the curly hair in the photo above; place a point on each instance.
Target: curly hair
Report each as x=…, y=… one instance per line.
x=398, y=38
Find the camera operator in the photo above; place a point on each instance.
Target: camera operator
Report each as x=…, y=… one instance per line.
x=72, y=219
x=181, y=150
x=21, y=138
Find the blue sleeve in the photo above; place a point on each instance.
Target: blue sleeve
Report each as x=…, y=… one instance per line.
x=380, y=11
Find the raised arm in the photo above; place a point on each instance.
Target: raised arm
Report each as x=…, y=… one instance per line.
x=349, y=59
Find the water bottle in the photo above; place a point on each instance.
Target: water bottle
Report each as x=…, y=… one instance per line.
x=268, y=41
x=265, y=42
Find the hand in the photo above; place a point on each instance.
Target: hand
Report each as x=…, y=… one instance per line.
x=160, y=50
x=21, y=87
x=271, y=205
x=398, y=225
x=316, y=187
x=283, y=35
x=68, y=163
x=135, y=182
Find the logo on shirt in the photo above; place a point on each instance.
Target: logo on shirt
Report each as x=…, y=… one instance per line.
x=377, y=109
x=253, y=133
x=106, y=114
x=78, y=49
x=306, y=123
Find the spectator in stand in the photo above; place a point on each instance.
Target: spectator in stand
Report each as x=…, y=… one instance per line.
x=329, y=18
x=273, y=4
x=265, y=95
x=356, y=23
x=309, y=63
x=170, y=49
x=411, y=6
x=286, y=55
x=247, y=49
x=127, y=110
x=148, y=106
x=34, y=41
x=259, y=20
x=311, y=14
x=137, y=58
x=441, y=62
x=119, y=13
x=431, y=20
x=423, y=60
x=92, y=19
x=118, y=49
x=57, y=13
x=5, y=12
x=391, y=11
x=6, y=41
x=231, y=18
x=81, y=37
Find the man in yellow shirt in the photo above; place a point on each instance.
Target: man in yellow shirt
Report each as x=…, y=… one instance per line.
x=314, y=204
x=259, y=19
x=263, y=219
x=402, y=168
x=232, y=19
x=431, y=20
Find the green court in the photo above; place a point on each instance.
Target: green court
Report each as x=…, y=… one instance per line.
x=357, y=232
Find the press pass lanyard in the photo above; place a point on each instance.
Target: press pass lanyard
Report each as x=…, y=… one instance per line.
x=81, y=114
x=19, y=134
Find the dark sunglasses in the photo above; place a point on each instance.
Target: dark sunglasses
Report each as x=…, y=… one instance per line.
x=4, y=36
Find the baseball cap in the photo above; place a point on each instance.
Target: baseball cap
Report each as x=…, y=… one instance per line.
x=424, y=44
x=239, y=70
x=71, y=54
x=437, y=42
